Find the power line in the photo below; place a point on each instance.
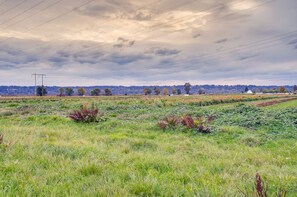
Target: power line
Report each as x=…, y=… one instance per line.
x=16, y=6
x=25, y=11
x=257, y=6
x=53, y=19
x=40, y=11
x=3, y=2
x=259, y=46
x=253, y=44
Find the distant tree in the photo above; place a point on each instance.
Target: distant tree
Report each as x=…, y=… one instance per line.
x=295, y=88
x=187, y=88
x=165, y=91
x=147, y=91
x=107, y=92
x=41, y=91
x=179, y=92
x=81, y=91
x=69, y=91
x=157, y=91
x=201, y=91
x=95, y=92
x=282, y=89
x=246, y=89
x=61, y=91
x=173, y=91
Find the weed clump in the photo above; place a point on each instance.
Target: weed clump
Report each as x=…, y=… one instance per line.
x=169, y=122
x=200, y=124
x=260, y=189
x=260, y=186
x=1, y=138
x=86, y=115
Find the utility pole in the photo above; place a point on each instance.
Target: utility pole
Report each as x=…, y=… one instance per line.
x=42, y=76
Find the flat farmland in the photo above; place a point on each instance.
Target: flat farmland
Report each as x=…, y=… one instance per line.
x=126, y=153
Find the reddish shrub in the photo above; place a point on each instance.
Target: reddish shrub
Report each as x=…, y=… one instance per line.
x=260, y=187
x=1, y=138
x=162, y=125
x=200, y=123
x=203, y=129
x=172, y=121
x=188, y=122
x=86, y=115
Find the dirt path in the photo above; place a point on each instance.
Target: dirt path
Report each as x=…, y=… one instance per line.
x=274, y=102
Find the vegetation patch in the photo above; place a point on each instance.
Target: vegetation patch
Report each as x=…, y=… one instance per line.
x=86, y=115
x=128, y=155
x=274, y=102
x=90, y=170
x=198, y=124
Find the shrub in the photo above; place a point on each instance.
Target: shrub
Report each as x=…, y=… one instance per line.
x=162, y=125
x=200, y=124
x=260, y=189
x=86, y=115
x=188, y=122
x=1, y=138
x=172, y=121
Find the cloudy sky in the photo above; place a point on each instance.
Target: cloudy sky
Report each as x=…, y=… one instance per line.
x=153, y=42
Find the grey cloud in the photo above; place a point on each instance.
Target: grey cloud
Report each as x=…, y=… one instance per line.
x=165, y=51
x=294, y=41
x=221, y=41
x=123, y=59
x=196, y=35
x=122, y=42
x=141, y=16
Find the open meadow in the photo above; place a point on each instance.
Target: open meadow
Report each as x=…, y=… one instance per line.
x=127, y=152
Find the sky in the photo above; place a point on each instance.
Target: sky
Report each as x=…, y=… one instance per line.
x=152, y=42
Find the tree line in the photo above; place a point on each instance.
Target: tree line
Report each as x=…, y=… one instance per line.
x=41, y=91
x=68, y=91
x=174, y=90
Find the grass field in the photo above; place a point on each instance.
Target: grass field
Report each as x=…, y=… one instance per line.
x=44, y=153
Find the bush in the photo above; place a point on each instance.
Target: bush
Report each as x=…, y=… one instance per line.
x=171, y=122
x=200, y=124
x=86, y=115
x=188, y=122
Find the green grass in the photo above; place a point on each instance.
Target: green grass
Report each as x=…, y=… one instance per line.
x=289, y=104
x=46, y=154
